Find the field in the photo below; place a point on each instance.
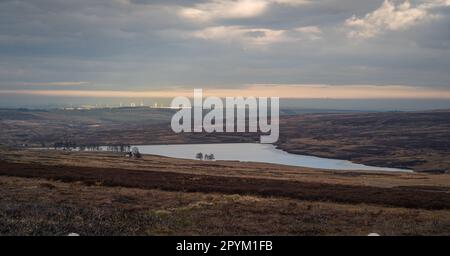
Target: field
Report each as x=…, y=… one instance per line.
x=413, y=140
x=56, y=192
x=52, y=192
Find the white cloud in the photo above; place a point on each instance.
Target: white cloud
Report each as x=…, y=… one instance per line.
x=309, y=32
x=257, y=37
x=392, y=17
x=218, y=9
x=246, y=36
x=290, y=2
x=436, y=3
x=70, y=83
x=231, y=9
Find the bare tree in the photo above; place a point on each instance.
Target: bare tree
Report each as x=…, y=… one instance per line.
x=135, y=153
x=209, y=157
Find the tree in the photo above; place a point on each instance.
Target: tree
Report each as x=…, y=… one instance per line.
x=209, y=157
x=135, y=153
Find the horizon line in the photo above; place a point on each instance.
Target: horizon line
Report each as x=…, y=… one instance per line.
x=285, y=91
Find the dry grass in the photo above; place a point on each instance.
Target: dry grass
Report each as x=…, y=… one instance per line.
x=414, y=140
x=225, y=168
x=220, y=198
x=410, y=197
x=42, y=207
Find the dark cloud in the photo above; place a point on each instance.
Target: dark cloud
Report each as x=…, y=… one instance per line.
x=140, y=44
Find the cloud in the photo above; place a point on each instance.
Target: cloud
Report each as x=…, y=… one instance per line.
x=294, y=91
x=291, y=2
x=257, y=37
x=231, y=9
x=242, y=35
x=325, y=91
x=392, y=17
x=219, y=9
x=53, y=83
x=309, y=32
x=147, y=44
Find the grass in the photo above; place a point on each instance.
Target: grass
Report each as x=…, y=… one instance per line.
x=32, y=207
x=409, y=197
x=411, y=140
x=56, y=193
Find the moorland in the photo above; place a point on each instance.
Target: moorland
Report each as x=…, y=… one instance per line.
x=57, y=192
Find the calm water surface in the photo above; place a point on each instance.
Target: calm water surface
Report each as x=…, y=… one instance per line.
x=255, y=152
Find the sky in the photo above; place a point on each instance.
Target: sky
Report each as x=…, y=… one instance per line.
x=305, y=49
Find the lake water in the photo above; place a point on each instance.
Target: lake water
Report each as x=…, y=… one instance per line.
x=255, y=152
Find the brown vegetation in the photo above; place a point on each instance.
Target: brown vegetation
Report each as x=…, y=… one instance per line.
x=409, y=197
x=42, y=207
x=411, y=140
x=414, y=140
x=58, y=192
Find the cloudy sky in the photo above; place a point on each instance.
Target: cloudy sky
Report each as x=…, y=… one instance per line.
x=296, y=48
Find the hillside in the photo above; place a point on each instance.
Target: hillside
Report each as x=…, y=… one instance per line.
x=410, y=140
x=52, y=192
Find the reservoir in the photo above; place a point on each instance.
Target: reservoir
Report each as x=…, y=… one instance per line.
x=255, y=152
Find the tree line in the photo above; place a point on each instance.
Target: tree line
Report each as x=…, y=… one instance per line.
x=69, y=145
